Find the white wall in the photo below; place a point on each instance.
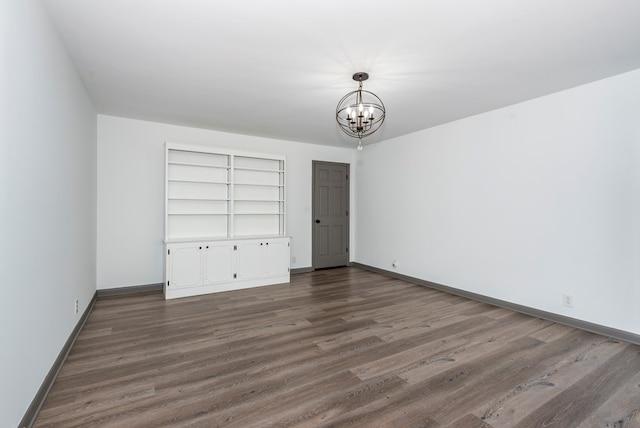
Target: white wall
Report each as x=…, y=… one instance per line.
x=131, y=193
x=47, y=202
x=522, y=204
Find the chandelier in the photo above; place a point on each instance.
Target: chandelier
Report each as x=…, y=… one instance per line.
x=360, y=113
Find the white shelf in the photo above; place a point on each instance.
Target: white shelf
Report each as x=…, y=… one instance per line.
x=178, y=180
x=257, y=213
x=259, y=169
x=197, y=213
x=198, y=199
x=259, y=200
x=199, y=165
x=258, y=184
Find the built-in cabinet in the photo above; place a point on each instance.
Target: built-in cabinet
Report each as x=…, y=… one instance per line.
x=262, y=258
x=224, y=220
x=195, y=268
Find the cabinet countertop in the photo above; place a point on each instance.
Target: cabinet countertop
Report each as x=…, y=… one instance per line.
x=209, y=239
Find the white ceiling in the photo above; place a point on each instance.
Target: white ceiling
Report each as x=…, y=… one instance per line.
x=278, y=68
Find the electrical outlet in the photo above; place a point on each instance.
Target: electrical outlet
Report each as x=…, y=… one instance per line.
x=76, y=306
x=293, y=260
x=567, y=300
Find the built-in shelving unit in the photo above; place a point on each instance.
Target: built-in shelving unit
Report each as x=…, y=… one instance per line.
x=223, y=195
x=219, y=195
x=258, y=190
x=198, y=194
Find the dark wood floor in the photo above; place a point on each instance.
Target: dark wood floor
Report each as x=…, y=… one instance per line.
x=342, y=347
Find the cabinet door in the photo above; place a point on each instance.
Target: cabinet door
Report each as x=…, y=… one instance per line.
x=277, y=257
x=218, y=263
x=185, y=266
x=250, y=259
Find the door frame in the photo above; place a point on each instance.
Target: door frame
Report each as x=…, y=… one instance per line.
x=313, y=211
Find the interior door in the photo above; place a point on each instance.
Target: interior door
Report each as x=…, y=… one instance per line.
x=330, y=214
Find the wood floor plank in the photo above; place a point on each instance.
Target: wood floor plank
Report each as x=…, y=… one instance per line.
x=514, y=406
x=471, y=343
x=339, y=347
x=446, y=390
x=470, y=421
x=576, y=403
x=622, y=409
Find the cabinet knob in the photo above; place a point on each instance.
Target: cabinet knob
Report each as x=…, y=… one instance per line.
x=200, y=248
x=317, y=221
